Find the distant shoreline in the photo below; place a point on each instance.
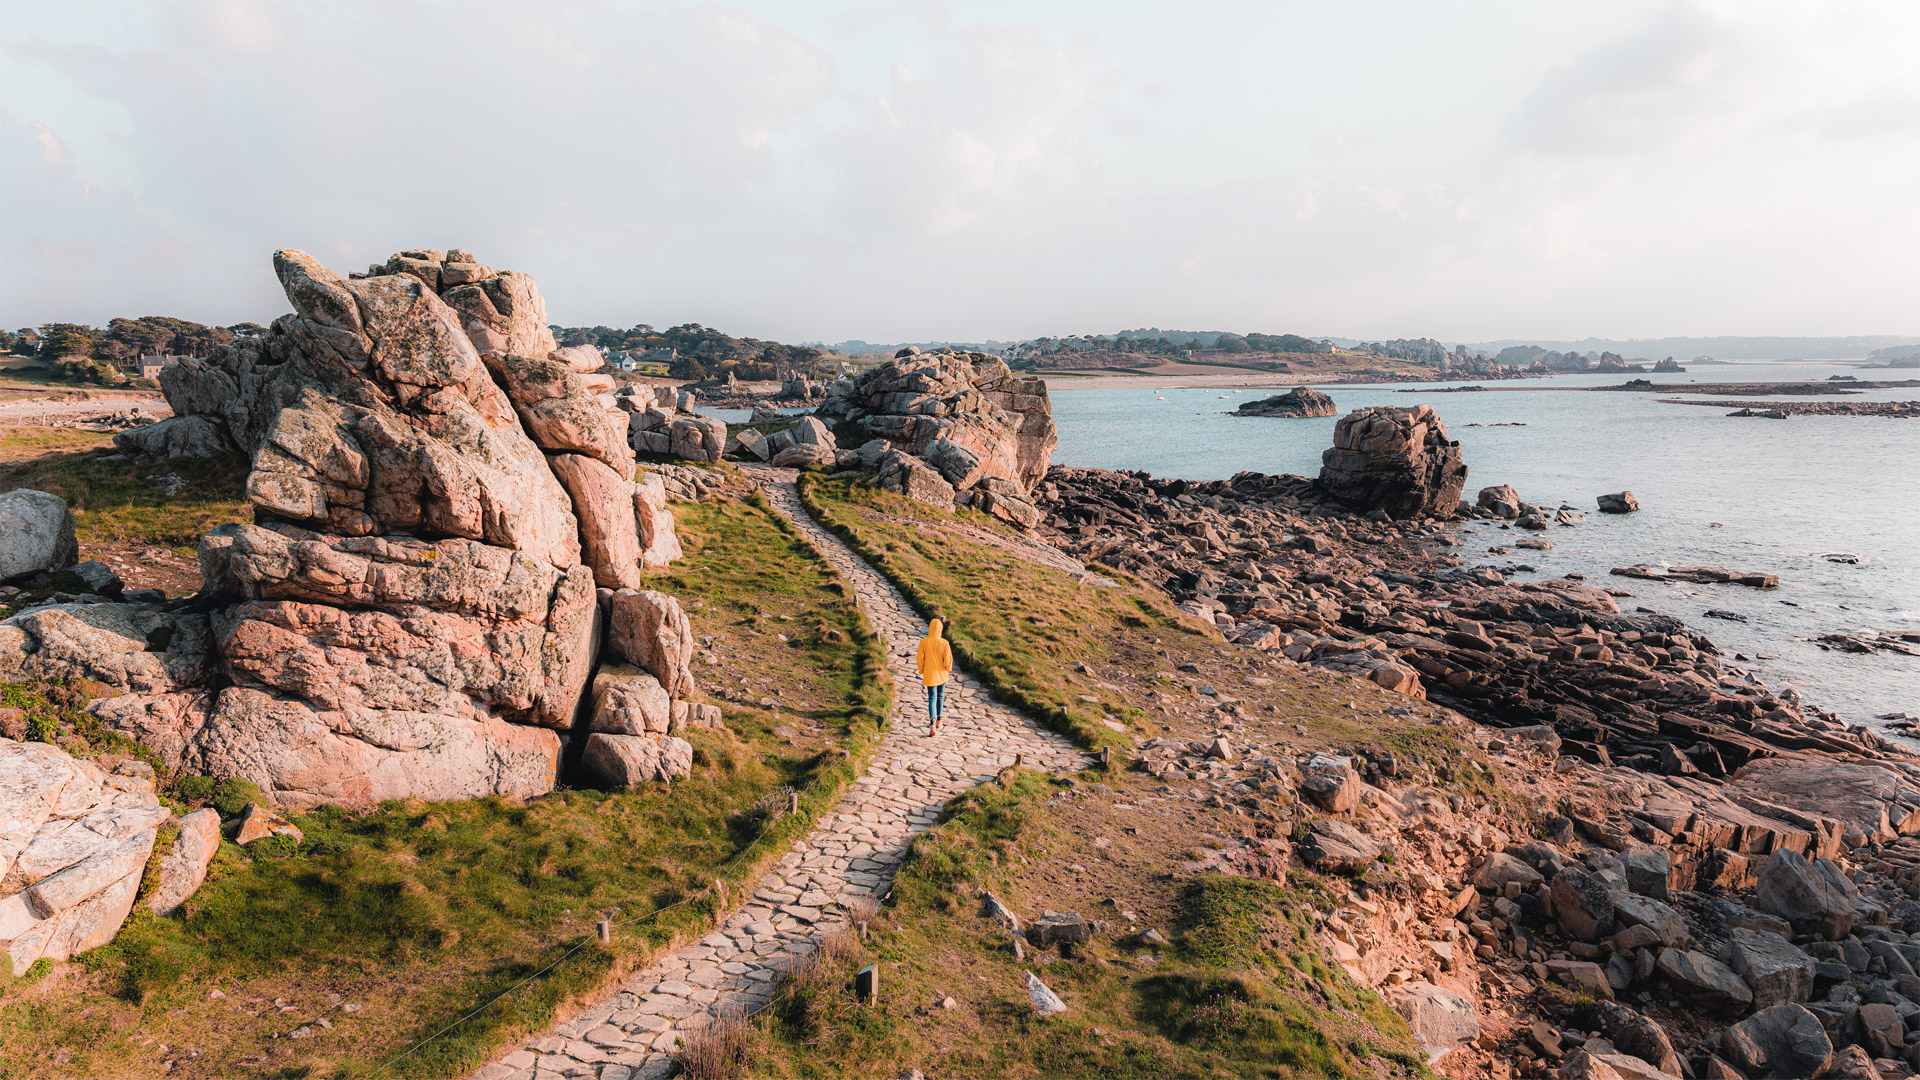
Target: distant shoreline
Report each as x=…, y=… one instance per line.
x=1282, y=380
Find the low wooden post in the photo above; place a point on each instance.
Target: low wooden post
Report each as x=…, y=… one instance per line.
x=866, y=984
x=605, y=929
x=793, y=802
x=1106, y=756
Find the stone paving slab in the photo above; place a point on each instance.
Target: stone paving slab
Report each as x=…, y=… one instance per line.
x=851, y=852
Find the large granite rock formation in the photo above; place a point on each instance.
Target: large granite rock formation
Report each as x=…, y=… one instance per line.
x=74, y=842
x=1298, y=402
x=438, y=491
x=966, y=415
x=1398, y=461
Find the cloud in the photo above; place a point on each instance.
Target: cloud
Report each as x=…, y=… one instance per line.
x=78, y=235
x=915, y=171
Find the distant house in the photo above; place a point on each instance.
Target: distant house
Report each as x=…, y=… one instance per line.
x=660, y=356
x=152, y=366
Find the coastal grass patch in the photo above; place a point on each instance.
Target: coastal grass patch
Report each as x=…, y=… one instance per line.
x=56, y=712
x=25, y=442
x=455, y=927
x=1019, y=625
x=116, y=501
x=1242, y=989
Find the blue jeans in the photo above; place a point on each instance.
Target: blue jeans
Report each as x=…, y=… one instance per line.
x=936, y=699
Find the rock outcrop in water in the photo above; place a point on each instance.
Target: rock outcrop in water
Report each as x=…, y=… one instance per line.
x=1397, y=461
x=1298, y=402
x=438, y=492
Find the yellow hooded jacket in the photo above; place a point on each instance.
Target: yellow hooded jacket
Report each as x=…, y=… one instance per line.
x=934, y=657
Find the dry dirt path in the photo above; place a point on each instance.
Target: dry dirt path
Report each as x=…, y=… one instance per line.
x=852, y=852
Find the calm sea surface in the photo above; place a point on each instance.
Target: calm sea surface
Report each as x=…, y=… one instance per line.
x=1769, y=496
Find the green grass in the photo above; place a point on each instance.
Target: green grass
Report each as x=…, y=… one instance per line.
x=21, y=443
x=1016, y=624
x=114, y=503
x=1243, y=991
x=56, y=713
x=429, y=913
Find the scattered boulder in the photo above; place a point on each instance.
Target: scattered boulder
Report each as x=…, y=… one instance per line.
x=1584, y=1064
x=1500, y=501
x=1853, y=1063
x=1620, y=502
x=1584, y=976
x=36, y=533
x=1813, y=896
x=1706, y=982
x=1638, y=1035
x=1440, y=1018
x=185, y=867
x=1301, y=401
x=1666, y=923
x=1058, y=926
x=1782, y=1041
x=1333, y=846
x=1399, y=461
x=1501, y=868
x=1045, y=1001
x=258, y=823
x=1882, y=1032
x=1331, y=781
x=1777, y=970
x=621, y=761
x=74, y=842
x=1583, y=902
x=175, y=437
x=1003, y=499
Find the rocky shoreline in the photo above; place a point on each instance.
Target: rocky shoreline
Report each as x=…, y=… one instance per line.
x=1722, y=880
x=1832, y=388
x=1285, y=564
x=1780, y=410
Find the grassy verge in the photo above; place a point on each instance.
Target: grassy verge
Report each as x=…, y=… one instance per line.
x=474, y=921
x=1238, y=988
x=32, y=441
x=1018, y=625
x=114, y=502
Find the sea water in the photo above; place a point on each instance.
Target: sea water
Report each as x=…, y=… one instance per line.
x=1748, y=494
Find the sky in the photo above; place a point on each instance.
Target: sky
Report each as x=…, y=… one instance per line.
x=817, y=171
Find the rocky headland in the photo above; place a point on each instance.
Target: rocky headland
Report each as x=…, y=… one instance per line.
x=1722, y=869
x=1555, y=837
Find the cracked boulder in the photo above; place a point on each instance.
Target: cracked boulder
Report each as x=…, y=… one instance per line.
x=74, y=842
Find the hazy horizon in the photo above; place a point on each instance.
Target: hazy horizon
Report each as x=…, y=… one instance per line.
x=973, y=171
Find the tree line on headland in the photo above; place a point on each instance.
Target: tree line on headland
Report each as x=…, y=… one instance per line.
x=79, y=353
x=87, y=354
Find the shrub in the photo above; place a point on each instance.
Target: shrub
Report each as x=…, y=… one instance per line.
x=232, y=795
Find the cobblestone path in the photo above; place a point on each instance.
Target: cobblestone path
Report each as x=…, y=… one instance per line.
x=851, y=852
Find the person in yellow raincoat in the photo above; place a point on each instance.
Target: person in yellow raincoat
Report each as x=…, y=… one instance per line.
x=935, y=661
